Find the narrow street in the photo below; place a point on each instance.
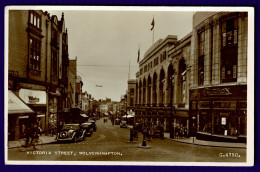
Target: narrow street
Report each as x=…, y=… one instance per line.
x=108, y=143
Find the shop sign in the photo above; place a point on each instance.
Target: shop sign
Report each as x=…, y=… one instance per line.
x=32, y=96
x=223, y=121
x=217, y=92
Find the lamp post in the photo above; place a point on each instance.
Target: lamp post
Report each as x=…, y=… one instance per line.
x=171, y=108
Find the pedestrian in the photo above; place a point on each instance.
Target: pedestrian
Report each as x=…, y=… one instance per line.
x=23, y=130
x=161, y=128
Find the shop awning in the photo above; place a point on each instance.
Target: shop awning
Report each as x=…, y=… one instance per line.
x=84, y=115
x=16, y=105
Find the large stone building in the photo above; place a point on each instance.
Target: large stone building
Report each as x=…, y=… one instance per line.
x=163, y=72
x=37, y=66
x=199, y=82
x=218, y=83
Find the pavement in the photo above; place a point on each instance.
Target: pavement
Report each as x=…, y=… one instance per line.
x=191, y=140
x=194, y=141
x=45, y=140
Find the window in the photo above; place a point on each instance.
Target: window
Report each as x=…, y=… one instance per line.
x=229, y=32
x=35, y=19
x=156, y=61
x=201, y=58
x=145, y=68
x=54, y=63
x=35, y=58
x=131, y=91
x=229, y=50
x=141, y=71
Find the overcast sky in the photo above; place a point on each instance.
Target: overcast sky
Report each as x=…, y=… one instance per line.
x=105, y=41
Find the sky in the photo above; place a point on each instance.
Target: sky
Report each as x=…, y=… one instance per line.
x=106, y=42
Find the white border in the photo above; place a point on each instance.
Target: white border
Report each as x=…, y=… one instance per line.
x=250, y=84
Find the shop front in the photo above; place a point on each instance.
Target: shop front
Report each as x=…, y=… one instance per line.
x=36, y=100
x=219, y=111
x=20, y=116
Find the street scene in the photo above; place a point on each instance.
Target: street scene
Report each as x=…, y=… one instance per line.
x=109, y=143
x=129, y=85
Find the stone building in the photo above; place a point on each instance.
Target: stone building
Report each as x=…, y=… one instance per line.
x=218, y=82
x=131, y=94
x=163, y=72
x=37, y=65
x=199, y=82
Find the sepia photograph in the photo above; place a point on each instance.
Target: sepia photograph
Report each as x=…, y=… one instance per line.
x=96, y=85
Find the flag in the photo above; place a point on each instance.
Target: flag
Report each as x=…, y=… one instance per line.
x=138, y=55
x=152, y=24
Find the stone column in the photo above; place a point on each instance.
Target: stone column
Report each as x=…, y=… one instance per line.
x=242, y=49
x=216, y=53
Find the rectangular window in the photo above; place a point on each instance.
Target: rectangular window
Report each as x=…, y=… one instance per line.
x=229, y=50
x=201, y=43
x=156, y=61
x=145, y=68
x=35, y=19
x=229, y=32
x=54, y=63
x=201, y=58
x=35, y=60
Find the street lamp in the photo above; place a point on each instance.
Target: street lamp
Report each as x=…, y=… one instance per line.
x=171, y=108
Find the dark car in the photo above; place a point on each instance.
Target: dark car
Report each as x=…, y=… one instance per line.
x=71, y=132
x=87, y=126
x=94, y=126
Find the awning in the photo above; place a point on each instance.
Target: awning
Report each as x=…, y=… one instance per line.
x=16, y=105
x=83, y=115
x=128, y=116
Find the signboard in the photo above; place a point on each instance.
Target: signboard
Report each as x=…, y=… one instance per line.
x=223, y=121
x=32, y=96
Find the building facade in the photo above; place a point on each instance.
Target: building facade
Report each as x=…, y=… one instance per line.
x=131, y=94
x=35, y=63
x=163, y=72
x=199, y=82
x=218, y=88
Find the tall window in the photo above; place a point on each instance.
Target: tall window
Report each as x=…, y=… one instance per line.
x=35, y=19
x=155, y=61
x=54, y=63
x=35, y=54
x=201, y=58
x=229, y=50
x=182, y=75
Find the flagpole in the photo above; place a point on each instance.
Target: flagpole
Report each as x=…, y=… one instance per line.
x=129, y=71
x=153, y=30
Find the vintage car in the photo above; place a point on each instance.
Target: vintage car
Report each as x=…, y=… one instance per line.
x=87, y=126
x=71, y=132
x=123, y=124
x=94, y=126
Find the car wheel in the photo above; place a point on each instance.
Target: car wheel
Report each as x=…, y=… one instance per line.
x=74, y=140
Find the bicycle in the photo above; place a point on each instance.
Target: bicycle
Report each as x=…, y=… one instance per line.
x=35, y=143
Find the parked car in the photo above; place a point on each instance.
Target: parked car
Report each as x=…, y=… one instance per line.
x=87, y=126
x=94, y=126
x=71, y=132
x=123, y=124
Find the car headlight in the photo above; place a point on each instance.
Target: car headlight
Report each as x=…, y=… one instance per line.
x=63, y=134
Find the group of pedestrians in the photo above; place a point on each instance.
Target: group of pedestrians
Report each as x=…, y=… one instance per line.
x=150, y=130
x=180, y=131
